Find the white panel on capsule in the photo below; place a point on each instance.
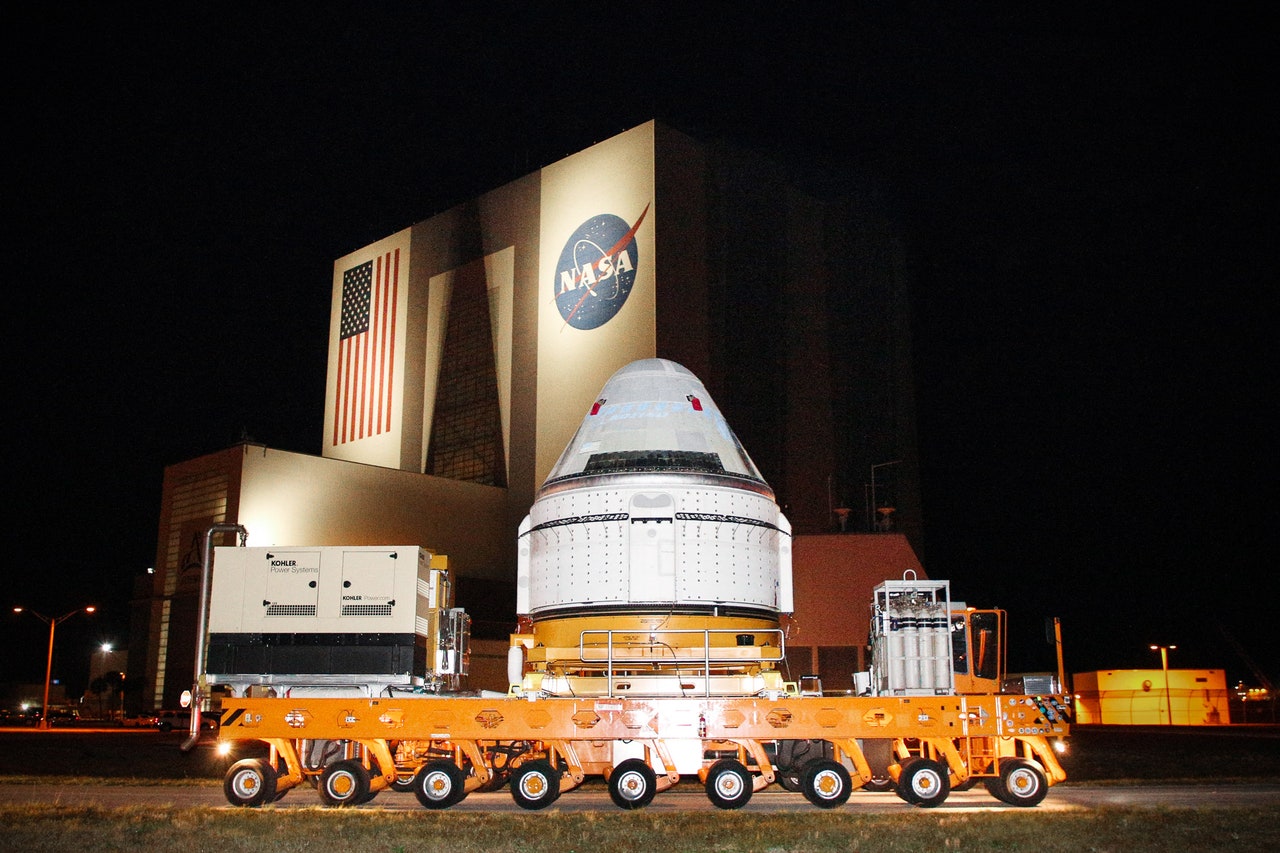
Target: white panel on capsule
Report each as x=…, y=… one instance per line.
x=654, y=505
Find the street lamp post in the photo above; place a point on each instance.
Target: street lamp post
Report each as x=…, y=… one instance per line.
x=48, y=672
x=105, y=648
x=1164, y=665
x=871, y=510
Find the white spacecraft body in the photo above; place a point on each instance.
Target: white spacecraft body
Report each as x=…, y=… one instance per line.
x=654, y=520
x=654, y=504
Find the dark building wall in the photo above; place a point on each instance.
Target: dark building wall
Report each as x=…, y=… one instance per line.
x=792, y=306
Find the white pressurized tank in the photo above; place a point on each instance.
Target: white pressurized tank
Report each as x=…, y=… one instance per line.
x=911, y=638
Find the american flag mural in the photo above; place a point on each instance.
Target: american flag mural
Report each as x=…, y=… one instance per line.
x=366, y=349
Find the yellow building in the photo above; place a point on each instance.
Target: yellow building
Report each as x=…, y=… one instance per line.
x=1135, y=697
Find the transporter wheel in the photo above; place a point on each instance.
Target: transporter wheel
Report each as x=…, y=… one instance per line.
x=896, y=787
x=924, y=783
x=1022, y=782
x=439, y=784
x=535, y=785
x=344, y=783
x=404, y=784
x=632, y=784
x=250, y=782
x=728, y=784
x=827, y=784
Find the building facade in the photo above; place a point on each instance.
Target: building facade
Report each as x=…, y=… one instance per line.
x=464, y=350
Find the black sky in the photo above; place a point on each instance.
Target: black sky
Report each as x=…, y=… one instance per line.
x=1086, y=199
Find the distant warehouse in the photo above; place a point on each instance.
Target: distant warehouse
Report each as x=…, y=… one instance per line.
x=1137, y=697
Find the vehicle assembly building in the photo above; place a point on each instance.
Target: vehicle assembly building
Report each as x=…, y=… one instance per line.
x=466, y=350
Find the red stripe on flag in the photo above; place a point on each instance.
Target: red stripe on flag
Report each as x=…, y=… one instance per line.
x=391, y=359
x=364, y=374
x=380, y=343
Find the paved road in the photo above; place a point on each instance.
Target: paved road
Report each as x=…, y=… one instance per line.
x=686, y=797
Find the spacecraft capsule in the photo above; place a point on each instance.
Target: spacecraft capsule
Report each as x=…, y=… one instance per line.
x=654, y=520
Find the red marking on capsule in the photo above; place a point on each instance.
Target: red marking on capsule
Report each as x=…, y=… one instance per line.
x=595, y=407
x=697, y=404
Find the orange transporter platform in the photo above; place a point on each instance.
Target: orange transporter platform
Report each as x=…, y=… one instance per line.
x=443, y=748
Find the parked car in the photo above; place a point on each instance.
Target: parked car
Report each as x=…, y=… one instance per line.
x=167, y=721
x=61, y=716
x=140, y=721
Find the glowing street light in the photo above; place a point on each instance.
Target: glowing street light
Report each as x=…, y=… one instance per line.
x=48, y=672
x=1164, y=664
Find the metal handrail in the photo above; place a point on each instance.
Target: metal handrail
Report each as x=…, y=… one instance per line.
x=707, y=659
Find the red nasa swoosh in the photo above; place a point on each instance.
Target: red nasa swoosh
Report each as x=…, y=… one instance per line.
x=613, y=250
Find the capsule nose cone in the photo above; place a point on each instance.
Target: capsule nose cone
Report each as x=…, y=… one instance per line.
x=654, y=415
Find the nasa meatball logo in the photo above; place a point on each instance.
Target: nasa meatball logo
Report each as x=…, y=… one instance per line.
x=596, y=270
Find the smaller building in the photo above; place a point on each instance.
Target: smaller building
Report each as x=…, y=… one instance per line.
x=1152, y=697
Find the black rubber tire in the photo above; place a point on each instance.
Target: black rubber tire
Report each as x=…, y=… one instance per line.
x=826, y=783
x=344, y=783
x=925, y=783
x=439, y=784
x=250, y=782
x=1022, y=782
x=632, y=784
x=729, y=784
x=535, y=785
x=896, y=787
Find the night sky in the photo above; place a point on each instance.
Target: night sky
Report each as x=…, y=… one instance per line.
x=1086, y=199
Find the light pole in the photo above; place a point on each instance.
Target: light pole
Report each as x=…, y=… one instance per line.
x=48, y=672
x=1164, y=664
x=105, y=648
x=871, y=513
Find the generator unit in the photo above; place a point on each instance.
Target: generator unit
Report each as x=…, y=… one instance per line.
x=334, y=621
